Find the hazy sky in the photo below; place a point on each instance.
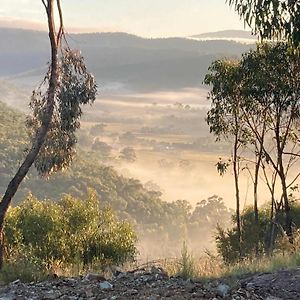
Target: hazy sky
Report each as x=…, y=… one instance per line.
x=149, y=18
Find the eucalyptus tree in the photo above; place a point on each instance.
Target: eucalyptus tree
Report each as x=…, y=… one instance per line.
x=224, y=118
x=56, y=110
x=279, y=19
x=256, y=102
x=271, y=83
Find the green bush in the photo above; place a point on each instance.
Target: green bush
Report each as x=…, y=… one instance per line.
x=68, y=231
x=256, y=239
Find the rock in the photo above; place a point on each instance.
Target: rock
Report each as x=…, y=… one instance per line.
x=132, y=292
x=14, y=283
x=116, y=271
x=151, y=284
x=89, y=293
x=105, y=285
x=222, y=290
x=51, y=295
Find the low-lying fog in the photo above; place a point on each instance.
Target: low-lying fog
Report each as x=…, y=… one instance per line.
x=173, y=145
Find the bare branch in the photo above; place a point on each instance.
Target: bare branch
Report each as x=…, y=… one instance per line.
x=61, y=24
x=293, y=181
x=45, y=5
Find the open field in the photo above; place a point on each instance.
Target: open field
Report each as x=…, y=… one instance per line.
x=173, y=145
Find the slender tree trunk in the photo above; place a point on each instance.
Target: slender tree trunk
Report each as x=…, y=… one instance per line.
x=237, y=191
x=280, y=143
x=287, y=209
x=42, y=132
x=255, y=196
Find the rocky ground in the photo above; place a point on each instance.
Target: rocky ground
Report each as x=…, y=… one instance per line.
x=153, y=284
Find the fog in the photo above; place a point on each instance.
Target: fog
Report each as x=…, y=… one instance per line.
x=171, y=129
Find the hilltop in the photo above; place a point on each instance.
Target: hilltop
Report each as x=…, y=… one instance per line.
x=118, y=60
x=241, y=34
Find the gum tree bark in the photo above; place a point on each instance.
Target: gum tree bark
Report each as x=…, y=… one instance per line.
x=55, y=41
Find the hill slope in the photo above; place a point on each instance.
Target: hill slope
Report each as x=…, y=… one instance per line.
x=117, y=59
x=155, y=219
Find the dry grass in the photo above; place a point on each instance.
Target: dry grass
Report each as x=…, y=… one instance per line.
x=211, y=267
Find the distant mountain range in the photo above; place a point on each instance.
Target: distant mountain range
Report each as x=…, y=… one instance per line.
x=118, y=60
x=242, y=34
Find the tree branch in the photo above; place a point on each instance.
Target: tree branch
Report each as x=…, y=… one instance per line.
x=44, y=3
x=61, y=24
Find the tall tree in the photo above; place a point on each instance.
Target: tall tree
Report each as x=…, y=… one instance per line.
x=224, y=118
x=270, y=19
x=265, y=93
x=271, y=89
x=56, y=111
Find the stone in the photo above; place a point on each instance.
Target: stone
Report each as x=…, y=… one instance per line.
x=149, y=283
x=51, y=295
x=14, y=283
x=222, y=290
x=89, y=293
x=105, y=285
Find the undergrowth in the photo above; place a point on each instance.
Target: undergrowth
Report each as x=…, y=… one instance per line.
x=208, y=267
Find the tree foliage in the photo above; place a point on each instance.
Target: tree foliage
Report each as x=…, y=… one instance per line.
x=255, y=101
x=254, y=237
x=164, y=224
x=68, y=231
x=270, y=19
x=75, y=87
x=56, y=110
x=128, y=154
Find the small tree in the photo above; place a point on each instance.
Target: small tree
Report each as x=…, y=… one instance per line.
x=101, y=147
x=128, y=154
x=56, y=111
x=97, y=129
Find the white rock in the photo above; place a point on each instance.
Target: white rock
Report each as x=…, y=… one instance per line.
x=222, y=289
x=105, y=285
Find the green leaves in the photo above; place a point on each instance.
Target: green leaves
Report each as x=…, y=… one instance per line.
x=76, y=87
x=266, y=82
x=69, y=231
x=271, y=19
x=224, y=80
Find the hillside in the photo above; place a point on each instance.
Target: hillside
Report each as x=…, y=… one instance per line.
x=118, y=60
x=156, y=221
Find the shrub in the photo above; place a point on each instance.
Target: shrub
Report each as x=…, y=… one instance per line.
x=256, y=239
x=68, y=231
x=187, y=264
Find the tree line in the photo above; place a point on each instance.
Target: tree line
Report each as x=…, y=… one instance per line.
x=256, y=107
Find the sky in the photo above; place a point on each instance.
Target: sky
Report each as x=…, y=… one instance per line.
x=147, y=18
